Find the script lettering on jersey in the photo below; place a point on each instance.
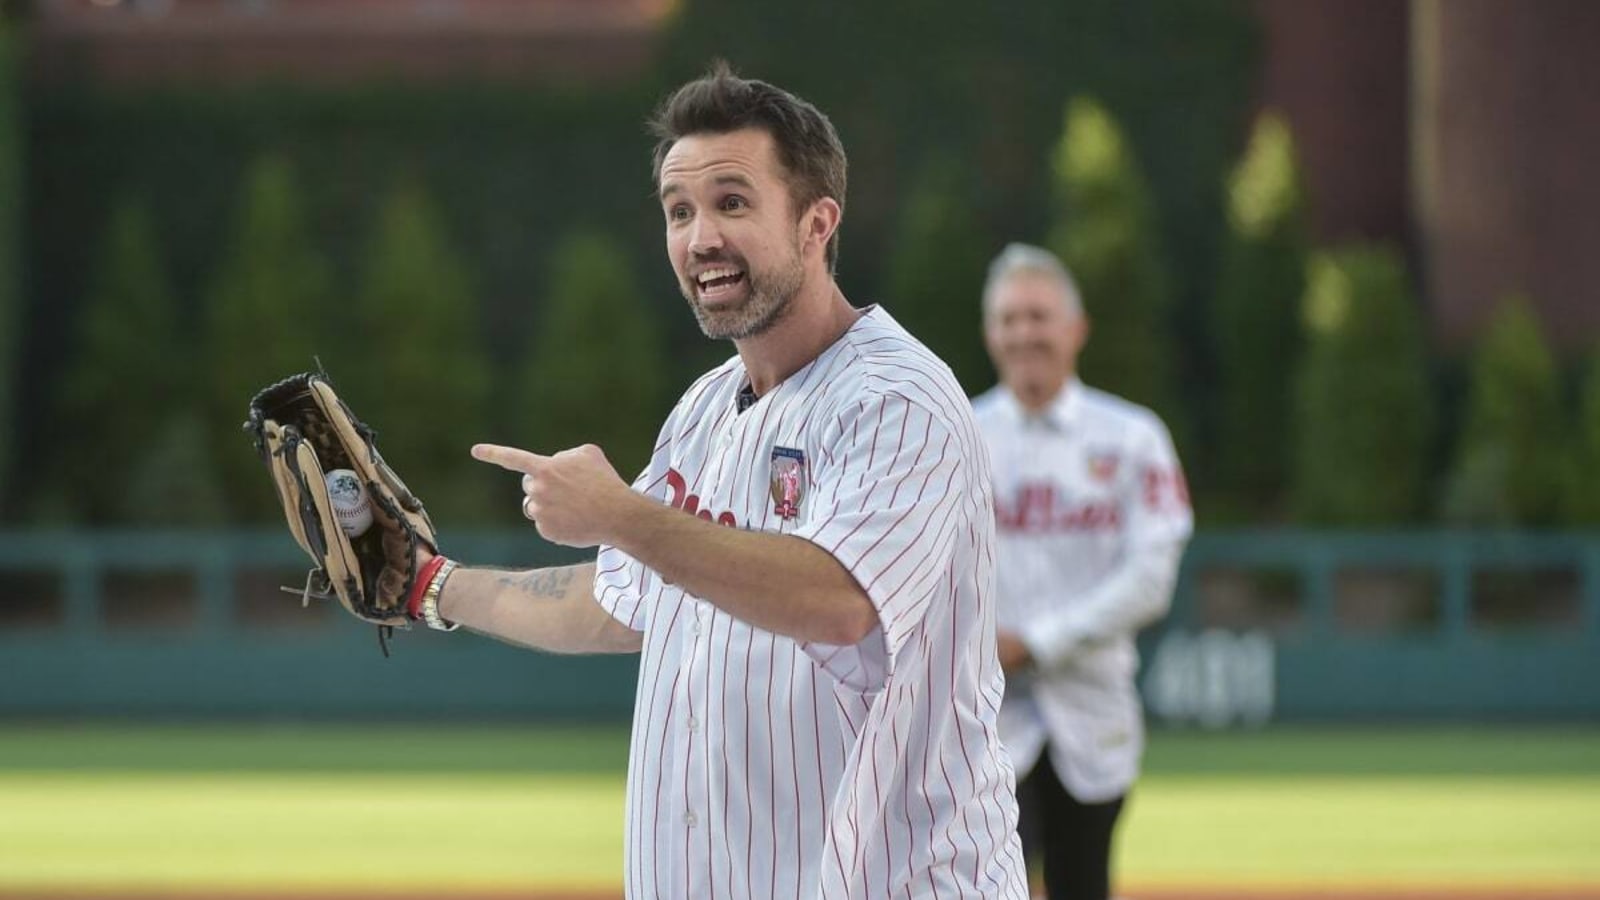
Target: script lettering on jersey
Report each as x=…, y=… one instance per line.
x=1038, y=507
x=680, y=498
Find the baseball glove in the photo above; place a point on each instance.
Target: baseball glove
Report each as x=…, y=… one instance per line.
x=302, y=431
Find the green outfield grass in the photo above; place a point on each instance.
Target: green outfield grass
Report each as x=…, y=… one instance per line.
x=196, y=808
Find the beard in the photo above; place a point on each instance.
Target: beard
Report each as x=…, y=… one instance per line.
x=769, y=293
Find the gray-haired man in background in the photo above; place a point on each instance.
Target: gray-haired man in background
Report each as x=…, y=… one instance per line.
x=1092, y=516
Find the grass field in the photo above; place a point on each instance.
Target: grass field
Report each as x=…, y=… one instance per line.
x=209, y=810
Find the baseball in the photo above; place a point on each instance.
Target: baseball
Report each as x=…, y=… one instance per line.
x=350, y=503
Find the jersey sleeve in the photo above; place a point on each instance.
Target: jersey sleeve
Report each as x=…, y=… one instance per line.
x=1157, y=505
x=887, y=505
x=620, y=581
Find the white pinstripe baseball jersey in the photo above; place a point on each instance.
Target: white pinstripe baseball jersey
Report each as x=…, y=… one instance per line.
x=763, y=767
x=1093, y=516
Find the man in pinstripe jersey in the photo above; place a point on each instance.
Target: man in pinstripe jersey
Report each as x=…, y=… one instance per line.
x=806, y=564
x=1093, y=517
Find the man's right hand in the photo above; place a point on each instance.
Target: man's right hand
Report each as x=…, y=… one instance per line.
x=1014, y=655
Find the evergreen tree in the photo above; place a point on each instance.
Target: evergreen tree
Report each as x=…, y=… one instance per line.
x=594, y=373
x=1105, y=233
x=412, y=361
x=1512, y=461
x=10, y=252
x=1585, y=484
x=268, y=313
x=173, y=482
x=1365, y=411
x=989, y=74
x=1257, y=322
x=129, y=343
x=936, y=273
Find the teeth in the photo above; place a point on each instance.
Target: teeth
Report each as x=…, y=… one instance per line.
x=713, y=274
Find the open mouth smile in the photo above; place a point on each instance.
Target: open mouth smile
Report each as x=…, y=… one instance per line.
x=715, y=283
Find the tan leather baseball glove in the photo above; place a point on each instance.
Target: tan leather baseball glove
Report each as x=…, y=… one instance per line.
x=302, y=431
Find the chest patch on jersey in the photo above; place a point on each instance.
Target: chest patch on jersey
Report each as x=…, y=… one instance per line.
x=1103, y=466
x=788, y=481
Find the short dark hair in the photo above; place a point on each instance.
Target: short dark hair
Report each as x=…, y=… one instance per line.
x=722, y=102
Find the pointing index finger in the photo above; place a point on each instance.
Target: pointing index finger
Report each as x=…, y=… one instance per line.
x=511, y=459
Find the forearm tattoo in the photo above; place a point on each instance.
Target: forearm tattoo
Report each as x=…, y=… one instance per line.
x=550, y=584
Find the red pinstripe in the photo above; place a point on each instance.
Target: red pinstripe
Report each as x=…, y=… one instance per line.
x=750, y=822
x=772, y=781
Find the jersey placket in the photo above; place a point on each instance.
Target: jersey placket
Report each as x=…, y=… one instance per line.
x=703, y=827
x=696, y=818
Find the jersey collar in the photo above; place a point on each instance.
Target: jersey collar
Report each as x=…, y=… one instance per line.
x=745, y=396
x=1059, y=415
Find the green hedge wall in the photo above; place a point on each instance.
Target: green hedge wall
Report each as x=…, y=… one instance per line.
x=11, y=200
x=507, y=172
x=511, y=171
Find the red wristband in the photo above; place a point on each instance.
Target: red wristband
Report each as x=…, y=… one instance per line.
x=420, y=587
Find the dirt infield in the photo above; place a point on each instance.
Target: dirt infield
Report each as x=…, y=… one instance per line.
x=1212, y=892
x=1368, y=894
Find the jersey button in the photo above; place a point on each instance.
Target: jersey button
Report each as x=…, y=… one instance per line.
x=690, y=820
x=694, y=724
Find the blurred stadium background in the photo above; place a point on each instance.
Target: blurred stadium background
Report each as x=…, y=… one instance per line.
x=1346, y=247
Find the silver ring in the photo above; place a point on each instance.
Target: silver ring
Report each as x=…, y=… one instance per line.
x=525, y=513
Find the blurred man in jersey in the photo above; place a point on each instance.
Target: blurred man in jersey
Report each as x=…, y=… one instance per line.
x=1093, y=516
x=806, y=564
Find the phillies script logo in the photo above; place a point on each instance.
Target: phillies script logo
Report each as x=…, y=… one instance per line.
x=680, y=498
x=1038, y=508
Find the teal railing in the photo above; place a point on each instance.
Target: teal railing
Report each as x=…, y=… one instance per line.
x=195, y=624
x=1417, y=625
x=1278, y=624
